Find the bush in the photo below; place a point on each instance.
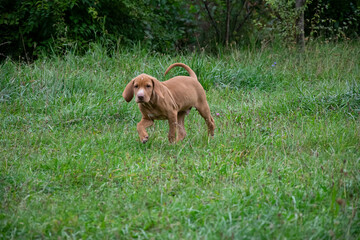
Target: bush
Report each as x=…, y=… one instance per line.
x=333, y=19
x=30, y=27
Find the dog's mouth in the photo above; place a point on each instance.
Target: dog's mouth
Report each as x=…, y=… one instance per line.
x=140, y=100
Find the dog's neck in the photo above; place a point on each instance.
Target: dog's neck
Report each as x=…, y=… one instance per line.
x=148, y=105
x=155, y=100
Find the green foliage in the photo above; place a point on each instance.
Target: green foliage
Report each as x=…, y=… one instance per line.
x=283, y=20
x=284, y=162
x=333, y=19
x=32, y=27
x=328, y=19
x=228, y=22
x=28, y=24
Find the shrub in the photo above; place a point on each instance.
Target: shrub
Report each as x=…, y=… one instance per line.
x=30, y=27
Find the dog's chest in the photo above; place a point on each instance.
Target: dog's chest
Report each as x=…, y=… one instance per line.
x=153, y=113
x=156, y=115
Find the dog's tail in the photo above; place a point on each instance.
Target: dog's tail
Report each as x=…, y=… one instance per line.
x=187, y=68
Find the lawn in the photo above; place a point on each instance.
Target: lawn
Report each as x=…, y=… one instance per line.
x=284, y=162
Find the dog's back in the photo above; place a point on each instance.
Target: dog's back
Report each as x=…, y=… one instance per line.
x=186, y=90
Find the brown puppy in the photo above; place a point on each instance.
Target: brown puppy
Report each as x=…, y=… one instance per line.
x=171, y=100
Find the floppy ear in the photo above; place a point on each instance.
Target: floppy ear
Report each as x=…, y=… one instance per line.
x=128, y=93
x=158, y=88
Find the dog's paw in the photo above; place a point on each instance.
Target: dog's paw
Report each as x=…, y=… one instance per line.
x=145, y=139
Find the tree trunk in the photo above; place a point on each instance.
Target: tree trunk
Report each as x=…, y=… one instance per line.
x=227, y=30
x=300, y=36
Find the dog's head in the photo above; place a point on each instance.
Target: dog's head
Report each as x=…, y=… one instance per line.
x=144, y=87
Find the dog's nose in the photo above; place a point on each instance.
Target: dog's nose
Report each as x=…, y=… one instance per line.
x=140, y=96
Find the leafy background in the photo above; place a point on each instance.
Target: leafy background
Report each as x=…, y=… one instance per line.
x=34, y=27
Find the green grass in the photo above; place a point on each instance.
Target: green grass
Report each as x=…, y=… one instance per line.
x=284, y=162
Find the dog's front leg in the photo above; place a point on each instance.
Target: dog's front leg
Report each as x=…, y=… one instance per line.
x=172, y=119
x=141, y=128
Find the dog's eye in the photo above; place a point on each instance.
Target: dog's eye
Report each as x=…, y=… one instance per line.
x=136, y=86
x=148, y=86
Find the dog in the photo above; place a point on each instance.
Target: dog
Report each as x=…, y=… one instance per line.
x=170, y=100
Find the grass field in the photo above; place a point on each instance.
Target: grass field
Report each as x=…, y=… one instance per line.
x=284, y=162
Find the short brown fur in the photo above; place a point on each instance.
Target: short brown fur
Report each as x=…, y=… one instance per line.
x=170, y=100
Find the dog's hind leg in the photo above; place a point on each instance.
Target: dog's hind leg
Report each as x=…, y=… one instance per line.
x=181, y=128
x=173, y=123
x=204, y=111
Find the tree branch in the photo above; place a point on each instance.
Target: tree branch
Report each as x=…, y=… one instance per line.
x=211, y=18
x=248, y=14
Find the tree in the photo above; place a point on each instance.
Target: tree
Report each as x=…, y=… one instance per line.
x=228, y=17
x=30, y=27
x=289, y=21
x=300, y=31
